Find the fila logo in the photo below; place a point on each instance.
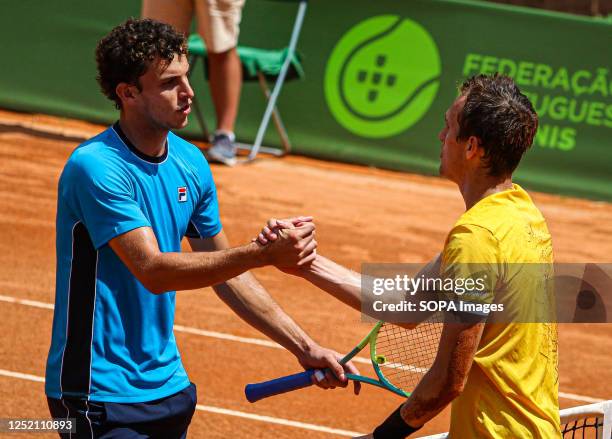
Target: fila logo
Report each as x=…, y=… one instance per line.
x=182, y=194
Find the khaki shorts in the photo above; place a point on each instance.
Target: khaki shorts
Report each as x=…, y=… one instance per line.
x=218, y=20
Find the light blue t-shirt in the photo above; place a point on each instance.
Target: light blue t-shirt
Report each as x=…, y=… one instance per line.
x=112, y=338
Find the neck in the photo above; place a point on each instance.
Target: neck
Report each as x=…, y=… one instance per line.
x=147, y=138
x=478, y=187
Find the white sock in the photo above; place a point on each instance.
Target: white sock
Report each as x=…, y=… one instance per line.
x=229, y=134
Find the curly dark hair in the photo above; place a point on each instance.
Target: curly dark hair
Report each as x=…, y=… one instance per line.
x=127, y=51
x=501, y=117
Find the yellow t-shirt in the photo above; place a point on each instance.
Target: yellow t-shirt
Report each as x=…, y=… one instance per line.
x=512, y=387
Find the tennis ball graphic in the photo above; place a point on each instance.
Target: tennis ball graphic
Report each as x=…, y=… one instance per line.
x=382, y=76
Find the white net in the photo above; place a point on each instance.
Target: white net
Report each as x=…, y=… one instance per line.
x=593, y=421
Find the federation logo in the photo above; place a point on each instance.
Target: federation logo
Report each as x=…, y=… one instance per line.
x=182, y=194
x=382, y=76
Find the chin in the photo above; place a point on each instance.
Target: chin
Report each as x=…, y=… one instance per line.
x=178, y=124
x=183, y=124
x=445, y=175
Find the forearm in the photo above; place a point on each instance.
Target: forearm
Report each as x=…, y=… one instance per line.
x=447, y=377
x=346, y=285
x=429, y=398
x=190, y=270
x=249, y=300
x=340, y=282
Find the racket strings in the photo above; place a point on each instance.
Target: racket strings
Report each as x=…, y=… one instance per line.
x=405, y=355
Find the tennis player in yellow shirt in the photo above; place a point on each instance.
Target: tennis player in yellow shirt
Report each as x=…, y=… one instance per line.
x=502, y=379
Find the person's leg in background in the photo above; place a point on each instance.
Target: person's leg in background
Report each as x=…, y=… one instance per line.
x=218, y=24
x=178, y=13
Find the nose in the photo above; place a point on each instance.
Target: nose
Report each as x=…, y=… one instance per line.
x=187, y=90
x=442, y=135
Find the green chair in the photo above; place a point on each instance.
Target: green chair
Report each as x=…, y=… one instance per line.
x=261, y=65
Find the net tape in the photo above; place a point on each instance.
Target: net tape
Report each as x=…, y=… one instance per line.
x=586, y=421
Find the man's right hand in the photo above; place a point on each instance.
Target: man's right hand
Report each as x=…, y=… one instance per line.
x=269, y=232
x=292, y=246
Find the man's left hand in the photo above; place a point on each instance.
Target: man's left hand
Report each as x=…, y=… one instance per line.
x=327, y=361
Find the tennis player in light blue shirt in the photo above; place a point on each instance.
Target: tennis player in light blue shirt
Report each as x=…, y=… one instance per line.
x=117, y=326
x=126, y=199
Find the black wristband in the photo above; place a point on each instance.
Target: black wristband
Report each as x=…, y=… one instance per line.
x=394, y=427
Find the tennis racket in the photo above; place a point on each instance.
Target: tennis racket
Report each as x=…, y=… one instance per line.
x=400, y=357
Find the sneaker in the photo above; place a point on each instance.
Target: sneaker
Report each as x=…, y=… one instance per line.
x=223, y=150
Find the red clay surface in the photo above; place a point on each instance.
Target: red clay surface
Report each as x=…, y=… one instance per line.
x=362, y=215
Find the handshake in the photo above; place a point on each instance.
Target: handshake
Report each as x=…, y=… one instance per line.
x=288, y=244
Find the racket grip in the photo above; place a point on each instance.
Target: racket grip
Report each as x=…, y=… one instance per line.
x=255, y=392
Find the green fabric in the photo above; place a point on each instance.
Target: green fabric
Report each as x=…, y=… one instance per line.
x=381, y=74
x=267, y=61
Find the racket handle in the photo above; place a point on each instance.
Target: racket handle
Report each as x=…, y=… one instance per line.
x=255, y=392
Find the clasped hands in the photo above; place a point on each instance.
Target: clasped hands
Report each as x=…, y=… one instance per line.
x=289, y=244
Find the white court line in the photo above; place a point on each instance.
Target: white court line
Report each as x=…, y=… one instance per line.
x=256, y=341
x=21, y=376
x=222, y=411
x=405, y=367
x=33, y=303
x=580, y=397
x=279, y=421
x=229, y=337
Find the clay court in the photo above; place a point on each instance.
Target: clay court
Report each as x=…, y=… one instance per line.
x=362, y=215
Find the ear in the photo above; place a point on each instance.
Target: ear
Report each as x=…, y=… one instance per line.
x=472, y=148
x=126, y=92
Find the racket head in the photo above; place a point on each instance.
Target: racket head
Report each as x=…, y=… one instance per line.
x=401, y=357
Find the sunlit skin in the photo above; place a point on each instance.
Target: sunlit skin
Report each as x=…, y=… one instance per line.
x=159, y=103
x=462, y=161
x=453, y=156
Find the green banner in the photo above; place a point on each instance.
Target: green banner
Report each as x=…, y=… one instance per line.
x=379, y=77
